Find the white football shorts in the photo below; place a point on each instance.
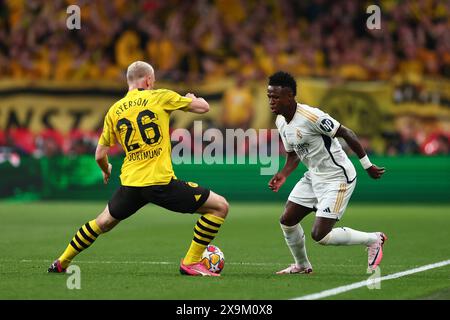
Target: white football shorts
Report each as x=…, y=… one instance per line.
x=329, y=198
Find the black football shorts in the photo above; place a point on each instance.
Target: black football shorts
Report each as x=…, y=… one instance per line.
x=177, y=195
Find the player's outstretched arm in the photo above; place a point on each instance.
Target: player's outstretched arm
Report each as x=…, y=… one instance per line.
x=198, y=105
x=279, y=178
x=353, y=142
x=101, y=156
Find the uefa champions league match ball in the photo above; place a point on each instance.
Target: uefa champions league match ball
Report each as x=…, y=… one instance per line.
x=213, y=259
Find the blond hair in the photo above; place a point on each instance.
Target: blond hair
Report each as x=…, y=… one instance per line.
x=139, y=70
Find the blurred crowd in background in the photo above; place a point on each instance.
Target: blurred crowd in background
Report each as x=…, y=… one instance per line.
x=203, y=40
x=200, y=41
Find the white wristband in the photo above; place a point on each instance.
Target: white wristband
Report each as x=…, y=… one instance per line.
x=365, y=162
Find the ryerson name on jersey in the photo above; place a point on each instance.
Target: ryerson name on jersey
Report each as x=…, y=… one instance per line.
x=131, y=103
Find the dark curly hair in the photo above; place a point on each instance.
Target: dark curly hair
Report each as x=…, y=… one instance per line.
x=283, y=79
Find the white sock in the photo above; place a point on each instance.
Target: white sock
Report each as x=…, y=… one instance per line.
x=295, y=239
x=347, y=236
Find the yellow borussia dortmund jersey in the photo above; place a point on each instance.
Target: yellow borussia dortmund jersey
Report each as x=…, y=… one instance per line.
x=140, y=123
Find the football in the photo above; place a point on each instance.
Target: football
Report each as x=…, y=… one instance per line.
x=213, y=259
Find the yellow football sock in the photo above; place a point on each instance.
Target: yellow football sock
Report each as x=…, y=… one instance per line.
x=85, y=236
x=204, y=232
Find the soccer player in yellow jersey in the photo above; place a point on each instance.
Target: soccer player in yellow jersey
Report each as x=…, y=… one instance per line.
x=140, y=123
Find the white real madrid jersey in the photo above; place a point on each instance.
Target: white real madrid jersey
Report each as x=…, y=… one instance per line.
x=310, y=134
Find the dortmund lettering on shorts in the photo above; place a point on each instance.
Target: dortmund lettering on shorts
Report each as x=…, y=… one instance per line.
x=140, y=123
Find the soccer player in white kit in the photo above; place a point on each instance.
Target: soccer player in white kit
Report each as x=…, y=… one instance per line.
x=309, y=135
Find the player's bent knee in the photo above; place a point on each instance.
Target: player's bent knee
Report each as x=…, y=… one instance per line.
x=318, y=236
x=284, y=220
x=215, y=205
x=219, y=208
x=223, y=207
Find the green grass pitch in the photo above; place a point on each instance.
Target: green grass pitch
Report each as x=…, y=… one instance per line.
x=140, y=258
